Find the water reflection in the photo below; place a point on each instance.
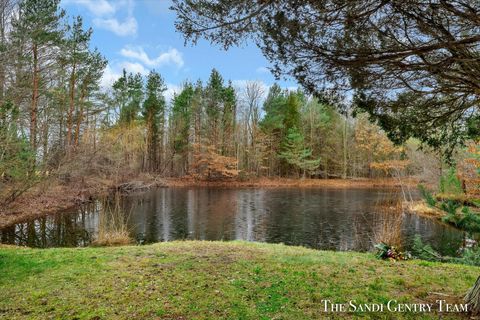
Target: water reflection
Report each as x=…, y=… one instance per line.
x=318, y=218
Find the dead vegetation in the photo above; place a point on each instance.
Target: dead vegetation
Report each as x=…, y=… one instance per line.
x=113, y=223
x=387, y=222
x=265, y=182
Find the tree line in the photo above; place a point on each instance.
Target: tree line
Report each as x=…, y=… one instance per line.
x=214, y=130
x=55, y=119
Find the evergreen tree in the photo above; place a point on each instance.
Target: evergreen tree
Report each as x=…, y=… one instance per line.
x=228, y=120
x=128, y=94
x=89, y=77
x=181, y=120
x=154, y=116
x=77, y=54
x=296, y=154
x=37, y=35
x=214, y=101
x=16, y=155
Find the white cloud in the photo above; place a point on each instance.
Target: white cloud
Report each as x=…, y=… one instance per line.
x=96, y=7
x=105, y=12
x=125, y=28
x=172, y=89
x=114, y=71
x=109, y=77
x=171, y=57
x=134, y=67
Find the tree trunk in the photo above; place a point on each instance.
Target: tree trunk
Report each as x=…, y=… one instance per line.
x=71, y=109
x=34, y=104
x=473, y=298
x=79, y=120
x=344, y=174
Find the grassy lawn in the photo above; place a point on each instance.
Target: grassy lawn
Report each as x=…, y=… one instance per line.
x=214, y=280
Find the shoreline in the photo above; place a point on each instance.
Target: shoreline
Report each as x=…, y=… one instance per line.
x=50, y=197
x=363, y=183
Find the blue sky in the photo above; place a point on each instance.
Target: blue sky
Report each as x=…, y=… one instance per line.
x=139, y=35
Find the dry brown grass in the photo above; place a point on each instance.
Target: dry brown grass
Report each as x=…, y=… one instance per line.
x=113, y=224
x=423, y=209
x=287, y=183
x=387, y=223
x=113, y=238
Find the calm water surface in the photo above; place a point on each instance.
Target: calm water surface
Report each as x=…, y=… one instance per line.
x=344, y=219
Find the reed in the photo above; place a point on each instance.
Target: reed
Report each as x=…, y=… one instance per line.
x=113, y=224
x=387, y=224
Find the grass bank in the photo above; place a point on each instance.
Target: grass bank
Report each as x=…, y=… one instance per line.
x=215, y=280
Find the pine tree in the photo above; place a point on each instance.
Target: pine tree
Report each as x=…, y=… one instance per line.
x=37, y=34
x=228, y=120
x=214, y=102
x=88, y=78
x=296, y=154
x=77, y=54
x=181, y=119
x=154, y=116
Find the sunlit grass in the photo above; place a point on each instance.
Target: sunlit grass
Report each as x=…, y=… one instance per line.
x=212, y=280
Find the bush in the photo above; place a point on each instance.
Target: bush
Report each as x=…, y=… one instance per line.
x=450, y=184
x=467, y=220
x=469, y=256
x=424, y=251
x=450, y=207
x=427, y=195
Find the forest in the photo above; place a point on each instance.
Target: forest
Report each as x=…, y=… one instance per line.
x=57, y=122
x=376, y=148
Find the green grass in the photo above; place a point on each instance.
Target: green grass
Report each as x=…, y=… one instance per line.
x=214, y=280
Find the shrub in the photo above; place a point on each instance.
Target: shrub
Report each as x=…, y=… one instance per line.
x=424, y=251
x=469, y=256
x=450, y=207
x=467, y=220
x=427, y=195
x=450, y=184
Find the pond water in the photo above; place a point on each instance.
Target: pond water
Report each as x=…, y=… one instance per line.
x=335, y=219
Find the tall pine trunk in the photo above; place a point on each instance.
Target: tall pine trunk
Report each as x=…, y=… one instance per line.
x=71, y=109
x=34, y=102
x=79, y=120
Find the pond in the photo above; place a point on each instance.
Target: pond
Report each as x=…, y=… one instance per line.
x=334, y=219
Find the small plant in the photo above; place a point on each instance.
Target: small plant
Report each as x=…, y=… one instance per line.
x=427, y=195
x=470, y=221
x=450, y=184
x=466, y=220
x=470, y=256
x=387, y=223
x=424, y=251
x=450, y=207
